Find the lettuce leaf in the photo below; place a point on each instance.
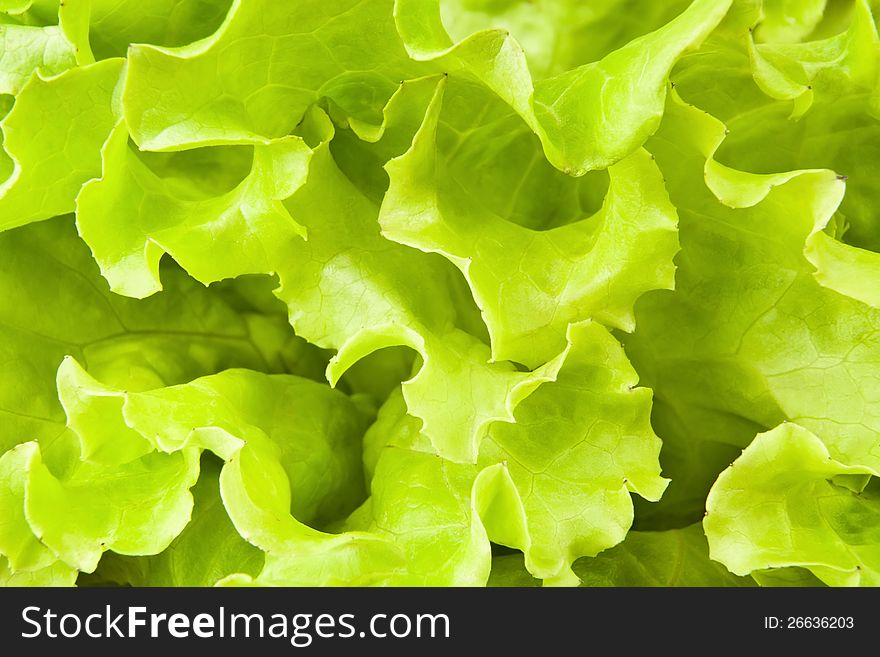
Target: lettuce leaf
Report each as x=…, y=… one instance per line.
x=439, y=293
x=676, y=557
x=630, y=81
x=207, y=550
x=761, y=340
x=428, y=521
x=171, y=338
x=53, y=135
x=779, y=506
x=583, y=269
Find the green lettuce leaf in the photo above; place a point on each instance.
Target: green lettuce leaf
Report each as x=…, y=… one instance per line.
x=521, y=492
x=173, y=337
x=792, y=577
x=53, y=135
x=692, y=458
x=552, y=278
x=59, y=575
x=27, y=49
x=790, y=20
x=558, y=35
x=816, y=99
x=114, y=24
x=21, y=549
x=778, y=506
x=578, y=135
x=136, y=508
x=678, y=557
x=839, y=76
x=596, y=446
x=150, y=492
x=750, y=338
x=207, y=550
x=456, y=292
x=131, y=217
x=14, y=6
x=347, y=288
x=74, y=510
x=260, y=59
x=91, y=464
x=350, y=289
x=428, y=520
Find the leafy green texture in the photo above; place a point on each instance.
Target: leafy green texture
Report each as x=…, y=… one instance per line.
x=630, y=82
x=790, y=20
x=760, y=340
x=778, y=506
x=677, y=557
x=595, y=446
x=590, y=268
x=352, y=290
x=139, y=345
x=55, y=575
x=515, y=493
x=559, y=35
x=27, y=49
x=131, y=216
x=53, y=135
x=835, y=79
x=171, y=338
x=114, y=24
x=255, y=64
x=135, y=508
x=439, y=292
x=22, y=550
x=208, y=550
x=14, y=7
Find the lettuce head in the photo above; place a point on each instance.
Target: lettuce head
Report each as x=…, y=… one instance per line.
x=439, y=293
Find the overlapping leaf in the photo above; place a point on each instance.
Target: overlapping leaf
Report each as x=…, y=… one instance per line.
x=778, y=506
x=750, y=337
x=461, y=199
x=53, y=134
x=435, y=518
x=207, y=550
x=96, y=468
x=266, y=55
x=588, y=117
x=593, y=268
x=676, y=557
x=131, y=216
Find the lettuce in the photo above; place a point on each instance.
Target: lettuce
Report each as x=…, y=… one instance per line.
x=439, y=293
